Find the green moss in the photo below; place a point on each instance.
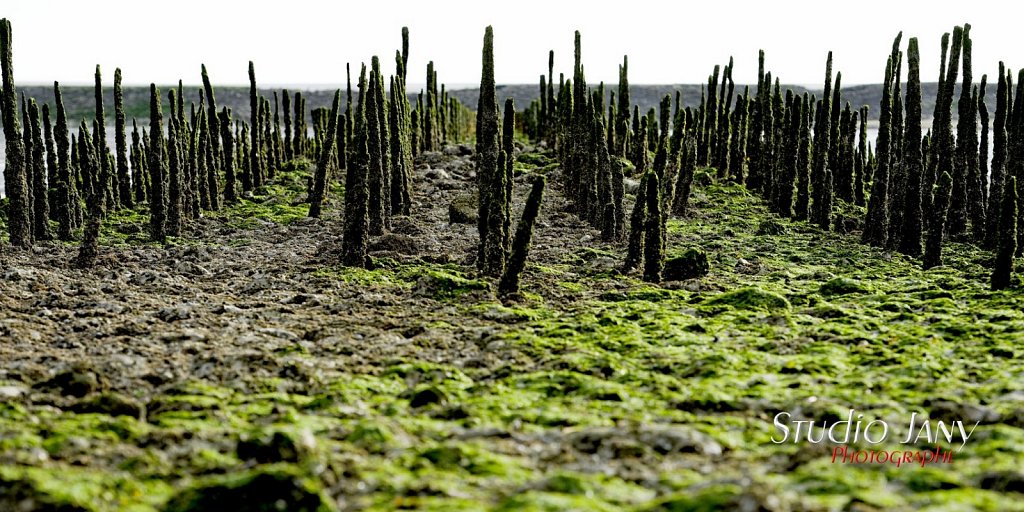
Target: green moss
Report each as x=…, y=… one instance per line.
x=444, y=284
x=750, y=298
x=842, y=286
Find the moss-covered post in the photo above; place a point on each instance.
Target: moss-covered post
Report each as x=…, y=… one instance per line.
x=931, y=170
x=287, y=106
x=202, y=142
x=40, y=200
x=378, y=180
x=227, y=136
x=637, y=224
x=212, y=121
x=509, y=283
x=95, y=200
x=876, y=225
x=51, y=162
x=138, y=161
x=102, y=149
x=502, y=206
x=316, y=197
x=1007, y=246
x=943, y=142
x=998, y=156
x=966, y=129
x=124, y=185
x=174, y=173
x=299, y=142
x=399, y=129
x=913, y=165
x=156, y=167
x=356, y=194
x=15, y=175
x=937, y=221
x=983, y=148
x=64, y=182
x=861, y=163
x=405, y=54
x=487, y=148
x=654, y=243
x=255, y=148
x=819, y=214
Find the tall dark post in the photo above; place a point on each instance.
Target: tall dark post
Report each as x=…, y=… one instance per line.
x=15, y=176
x=509, y=283
x=121, y=144
x=876, y=225
x=622, y=122
x=487, y=147
x=102, y=150
x=998, y=156
x=861, y=164
x=156, y=166
x=226, y=134
x=822, y=139
x=910, y=241
x=255, y=149
x=64, y=184
x=1007, y=236
x=316, y=196
x=40, y=201
x=213, y=121
x=175, y=172
x=356, y=194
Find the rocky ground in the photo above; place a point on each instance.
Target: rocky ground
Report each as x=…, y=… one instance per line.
x=240, y=363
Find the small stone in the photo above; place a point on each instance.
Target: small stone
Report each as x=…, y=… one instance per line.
x=690, y=265
x=181, y=311
x=463, y=210
x=427, y=396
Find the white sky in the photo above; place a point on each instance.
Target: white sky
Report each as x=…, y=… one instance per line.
x=309, y=41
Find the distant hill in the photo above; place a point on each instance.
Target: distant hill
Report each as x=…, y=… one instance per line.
x=648, y=96
x=80, y=102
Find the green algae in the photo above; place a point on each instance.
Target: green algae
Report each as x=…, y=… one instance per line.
x=750, y=298
x=797, y=319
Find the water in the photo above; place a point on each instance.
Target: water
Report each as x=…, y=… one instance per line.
x=872, y=130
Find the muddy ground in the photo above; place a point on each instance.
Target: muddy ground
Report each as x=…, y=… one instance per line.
x=240, y=362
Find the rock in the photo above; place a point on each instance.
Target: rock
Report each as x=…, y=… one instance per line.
x=278, y=333
x=463, y=210
x=113, y=404
x=77, y=381
x=227, y=308
x=771, y=227
x=1003, y=481
x=949, y=411
x=274, y=487
x=666, y=439
x=437, y=174
x=187, y=267
x=617, y=442
x=691, y=264
x=427, y=396
x=267, y=448
x=396, y=242
x=631, y=185
x=181, y=311
x=18, y=274
x=8, y=393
